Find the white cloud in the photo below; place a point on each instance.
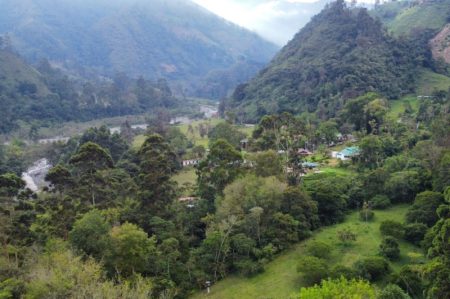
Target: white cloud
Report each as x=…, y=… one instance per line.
x=276, y=20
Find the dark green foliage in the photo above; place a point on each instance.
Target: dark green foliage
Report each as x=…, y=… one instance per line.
x=111, y=36
x=330, y=195
x=380, y=202
x=372, y=268
x=389, y=248
x=424, y=208
x=103, y=137
x=10, y=184
x=227, y=132
x=403, y=186
x=319, y=249
x=410, y=280
x=313, y=269
x=415, y=232
x=331, y=57
x=220, y=168
x=56, y=98
x=90, y=234
x=248, y=267
x=302, y=208
x=392, y=228
x=392, y=291
x=157, y=164
x=339, y=271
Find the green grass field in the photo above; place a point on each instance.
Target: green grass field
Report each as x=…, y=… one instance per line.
x=281, y=280
x=430, y=81
x=186, y=175
x=194, y=135
x=397, y=107
x=430, y=17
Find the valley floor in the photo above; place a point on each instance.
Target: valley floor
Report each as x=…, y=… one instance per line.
x=281, y=280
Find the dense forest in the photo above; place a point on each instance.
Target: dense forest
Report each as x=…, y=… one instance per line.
x=335, y=166
x=342, y=53
x=45, y=95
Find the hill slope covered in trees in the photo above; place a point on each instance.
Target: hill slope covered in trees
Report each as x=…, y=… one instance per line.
x=340, y=54
x=176, y=39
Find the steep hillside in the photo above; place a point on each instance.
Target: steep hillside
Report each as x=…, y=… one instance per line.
x=340, y=54
x=42, y=96
x=175, y=39
x=440, y=45
x=409, y=17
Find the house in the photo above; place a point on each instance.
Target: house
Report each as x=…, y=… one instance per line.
x=304, y=152
x=187, y=199
x=310, y=165
x=193, y=162
x=348, y=153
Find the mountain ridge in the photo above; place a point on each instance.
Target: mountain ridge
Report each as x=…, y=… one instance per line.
x=176, y=40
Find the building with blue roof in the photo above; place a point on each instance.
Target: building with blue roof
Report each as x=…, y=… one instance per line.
x=348, y=153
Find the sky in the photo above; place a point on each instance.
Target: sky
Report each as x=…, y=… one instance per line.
x=275, y=20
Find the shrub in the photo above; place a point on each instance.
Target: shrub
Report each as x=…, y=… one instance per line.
x=313, y=269
x=389, y=248
x=339, y=288
x=380, y=202
x=410, y=280
x=346, y=236
x=248, y=268
x=342, y=271
x=319, y=249
x=392, y=291
x=415, y=232
x=372, y=268
x=392, y=228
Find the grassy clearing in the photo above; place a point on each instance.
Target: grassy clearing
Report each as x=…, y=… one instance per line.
x=428, y=16
x=187, y=175
x=397, y=107
x=194, y=134
x=281, y=280
x=430, y=81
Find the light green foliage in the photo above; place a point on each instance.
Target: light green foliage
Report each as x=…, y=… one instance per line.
x=420, y=16
x=228, y=132
x=339, y=289
x=131, y=250
x=281, y=279
x=60, y=274
x=249, y=192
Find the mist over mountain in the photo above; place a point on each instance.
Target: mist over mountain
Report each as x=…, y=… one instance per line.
x=176, y=39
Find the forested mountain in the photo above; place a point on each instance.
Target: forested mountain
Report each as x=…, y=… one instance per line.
x=176, y=39
x=340, y=54
x=44, y=95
